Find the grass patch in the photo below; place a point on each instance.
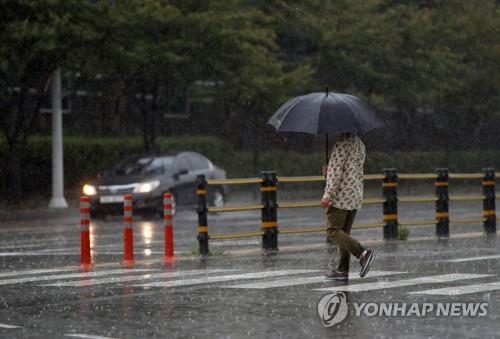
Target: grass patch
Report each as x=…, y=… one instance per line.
x=403, y=232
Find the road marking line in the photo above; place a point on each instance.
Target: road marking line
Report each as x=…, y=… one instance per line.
x=20, y=246
x=9, y=326
x=229, y=242
x=91, y=282
x=303, y=281
x=459, y=290
x=55, y=250
x=71, y=276
x=485, y=257
x=30, y=254
x=87, y=336
x=435, y=279
x=206, y=280
x=38, y=271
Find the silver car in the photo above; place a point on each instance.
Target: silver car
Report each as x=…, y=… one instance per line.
x=147, y=177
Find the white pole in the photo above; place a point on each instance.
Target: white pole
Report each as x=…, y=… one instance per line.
x=57, y=200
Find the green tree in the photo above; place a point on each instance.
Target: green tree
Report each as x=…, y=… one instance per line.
x=143, y=58
x=36, y=37
x=427, y=66
x=473, y=102
x=236, y=47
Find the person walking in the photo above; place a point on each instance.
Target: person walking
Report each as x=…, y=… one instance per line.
x=342, y=198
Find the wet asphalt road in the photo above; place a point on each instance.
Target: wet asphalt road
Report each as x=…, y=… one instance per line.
x=43, y=293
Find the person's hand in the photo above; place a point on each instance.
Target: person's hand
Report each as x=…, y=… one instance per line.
x=325, y=202
x=324, y=170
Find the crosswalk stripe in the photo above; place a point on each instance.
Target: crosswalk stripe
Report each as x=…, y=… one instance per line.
x=303, y=281
x=485, y=257
x=31, y=272
x=459, y=290
x=9, y=326
x=36, y=253
x=111, y=280
x=20, y=246
x=86, y=336
x=206, y=280
x=405, y=282
x=71, y=276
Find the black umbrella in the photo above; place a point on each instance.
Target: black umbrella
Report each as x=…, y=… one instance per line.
x=325, y=113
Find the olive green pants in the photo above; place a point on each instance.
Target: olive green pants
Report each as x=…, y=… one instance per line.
x=339, y=224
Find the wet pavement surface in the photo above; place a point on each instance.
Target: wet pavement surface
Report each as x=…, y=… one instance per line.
x=238, y=294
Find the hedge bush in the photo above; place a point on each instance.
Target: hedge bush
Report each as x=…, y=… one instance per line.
x=84, y=157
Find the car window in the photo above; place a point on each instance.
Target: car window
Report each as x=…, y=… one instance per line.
x=182, y=163
x=198, y=162
x=154, y=167
x=144, y=165
x=168, y=163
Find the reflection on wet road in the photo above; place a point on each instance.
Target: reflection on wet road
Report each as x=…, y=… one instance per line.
x=43, y=292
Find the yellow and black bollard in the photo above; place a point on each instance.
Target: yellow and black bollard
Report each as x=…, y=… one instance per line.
x=390, y=206
x=442, y=203
x=269, y=212
x=490, y=222
x=201, y=191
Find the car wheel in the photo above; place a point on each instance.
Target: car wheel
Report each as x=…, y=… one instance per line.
x=218, y=198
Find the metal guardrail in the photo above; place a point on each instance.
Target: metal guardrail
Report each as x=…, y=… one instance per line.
x=236, y=235
x=235, y=208
x=240, y=181
x=390, y=223
x=418, y=176
x=417, y=199
x=467, y=198
x=303, y=179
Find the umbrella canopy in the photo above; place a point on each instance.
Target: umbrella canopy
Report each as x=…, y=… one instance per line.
x=325, y=113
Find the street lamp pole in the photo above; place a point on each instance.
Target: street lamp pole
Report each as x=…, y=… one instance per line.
x=58, y=200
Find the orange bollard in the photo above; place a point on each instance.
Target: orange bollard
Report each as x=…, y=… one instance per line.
x=168, y=227
x=85, y=258
x=128, y=233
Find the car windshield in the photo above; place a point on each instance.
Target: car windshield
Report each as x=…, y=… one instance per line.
x=144, y=165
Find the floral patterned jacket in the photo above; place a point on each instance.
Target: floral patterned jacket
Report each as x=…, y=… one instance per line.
x=344, y=180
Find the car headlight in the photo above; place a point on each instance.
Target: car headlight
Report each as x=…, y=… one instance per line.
x=146, y=187
x=89, y=190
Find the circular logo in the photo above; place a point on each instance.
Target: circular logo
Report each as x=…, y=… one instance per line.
x=332, y=309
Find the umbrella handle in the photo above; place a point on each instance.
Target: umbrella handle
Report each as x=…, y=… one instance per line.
x=326, y=149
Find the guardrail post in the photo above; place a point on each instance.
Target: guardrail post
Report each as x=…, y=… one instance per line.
x=390, y=206
x=85, y=254
x=168, y=228
x=201, y=191
x=128, y=232
x=442, y=203
x=490, y=223
x=269, y=212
